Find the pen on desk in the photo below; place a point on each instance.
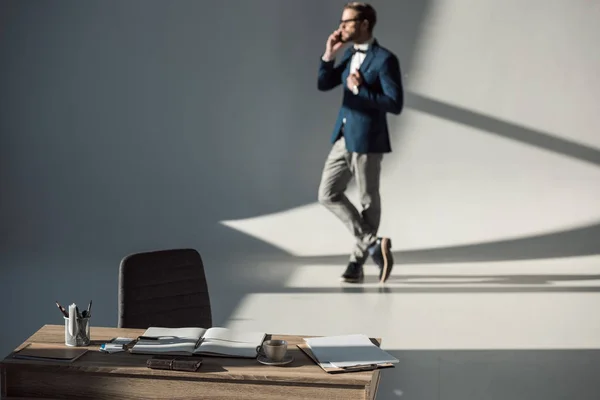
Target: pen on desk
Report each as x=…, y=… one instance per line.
x=62, y=310
x=155, y=337
x=364, y=367
x=89, y=309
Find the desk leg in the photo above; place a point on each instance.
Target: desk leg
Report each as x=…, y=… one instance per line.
x=3, y=393
x=372, y=388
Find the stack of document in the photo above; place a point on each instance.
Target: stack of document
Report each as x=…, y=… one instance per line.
x=348, y=352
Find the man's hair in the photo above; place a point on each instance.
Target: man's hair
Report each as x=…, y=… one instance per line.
x=365, y=11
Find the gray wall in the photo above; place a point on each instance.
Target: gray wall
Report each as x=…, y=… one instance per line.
x=130, y=126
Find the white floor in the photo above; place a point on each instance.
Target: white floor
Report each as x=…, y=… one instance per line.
x=481, y=330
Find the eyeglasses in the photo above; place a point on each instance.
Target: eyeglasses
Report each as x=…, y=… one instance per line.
x=343, y=21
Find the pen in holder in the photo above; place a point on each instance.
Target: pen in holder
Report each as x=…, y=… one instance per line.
x=77, y=328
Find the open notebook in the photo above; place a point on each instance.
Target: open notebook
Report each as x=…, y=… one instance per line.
x=199, y=341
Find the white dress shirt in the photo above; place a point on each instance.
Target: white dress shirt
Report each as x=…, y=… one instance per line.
x=356, y=62
x=358, y=57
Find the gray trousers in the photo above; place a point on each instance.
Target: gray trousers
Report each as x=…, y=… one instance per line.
x=340, y=166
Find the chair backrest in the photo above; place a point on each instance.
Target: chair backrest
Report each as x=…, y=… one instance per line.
x=164, y=288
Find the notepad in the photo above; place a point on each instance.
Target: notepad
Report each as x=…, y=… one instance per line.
x=50, y=352
x=348, y=351
x=199, y=341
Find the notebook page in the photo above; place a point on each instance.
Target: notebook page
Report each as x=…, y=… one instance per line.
x=182, y=333
x=231, y=349
x=169, y=346
x=228, y=335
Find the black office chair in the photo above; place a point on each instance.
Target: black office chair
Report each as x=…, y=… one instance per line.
x=165, y=288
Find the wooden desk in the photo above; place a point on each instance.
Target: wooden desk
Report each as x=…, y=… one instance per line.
x=98, y=375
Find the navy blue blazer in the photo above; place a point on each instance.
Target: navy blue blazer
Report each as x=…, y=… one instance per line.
x=366, y=128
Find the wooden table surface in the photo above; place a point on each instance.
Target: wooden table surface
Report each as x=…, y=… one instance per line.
x=219, y=377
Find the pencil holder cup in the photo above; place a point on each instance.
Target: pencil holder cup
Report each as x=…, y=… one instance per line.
x=77, y=331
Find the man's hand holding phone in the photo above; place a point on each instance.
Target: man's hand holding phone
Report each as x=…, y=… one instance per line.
x=333, y=45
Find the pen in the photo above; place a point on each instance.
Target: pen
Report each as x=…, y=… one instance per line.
x=86, y=313
x=62, y=310
x=154, y=337
x=366, y=367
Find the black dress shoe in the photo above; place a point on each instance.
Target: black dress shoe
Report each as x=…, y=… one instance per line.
x=382, y=255
x=354, y=273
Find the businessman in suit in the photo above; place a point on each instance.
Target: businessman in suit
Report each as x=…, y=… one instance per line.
x=372, y=87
